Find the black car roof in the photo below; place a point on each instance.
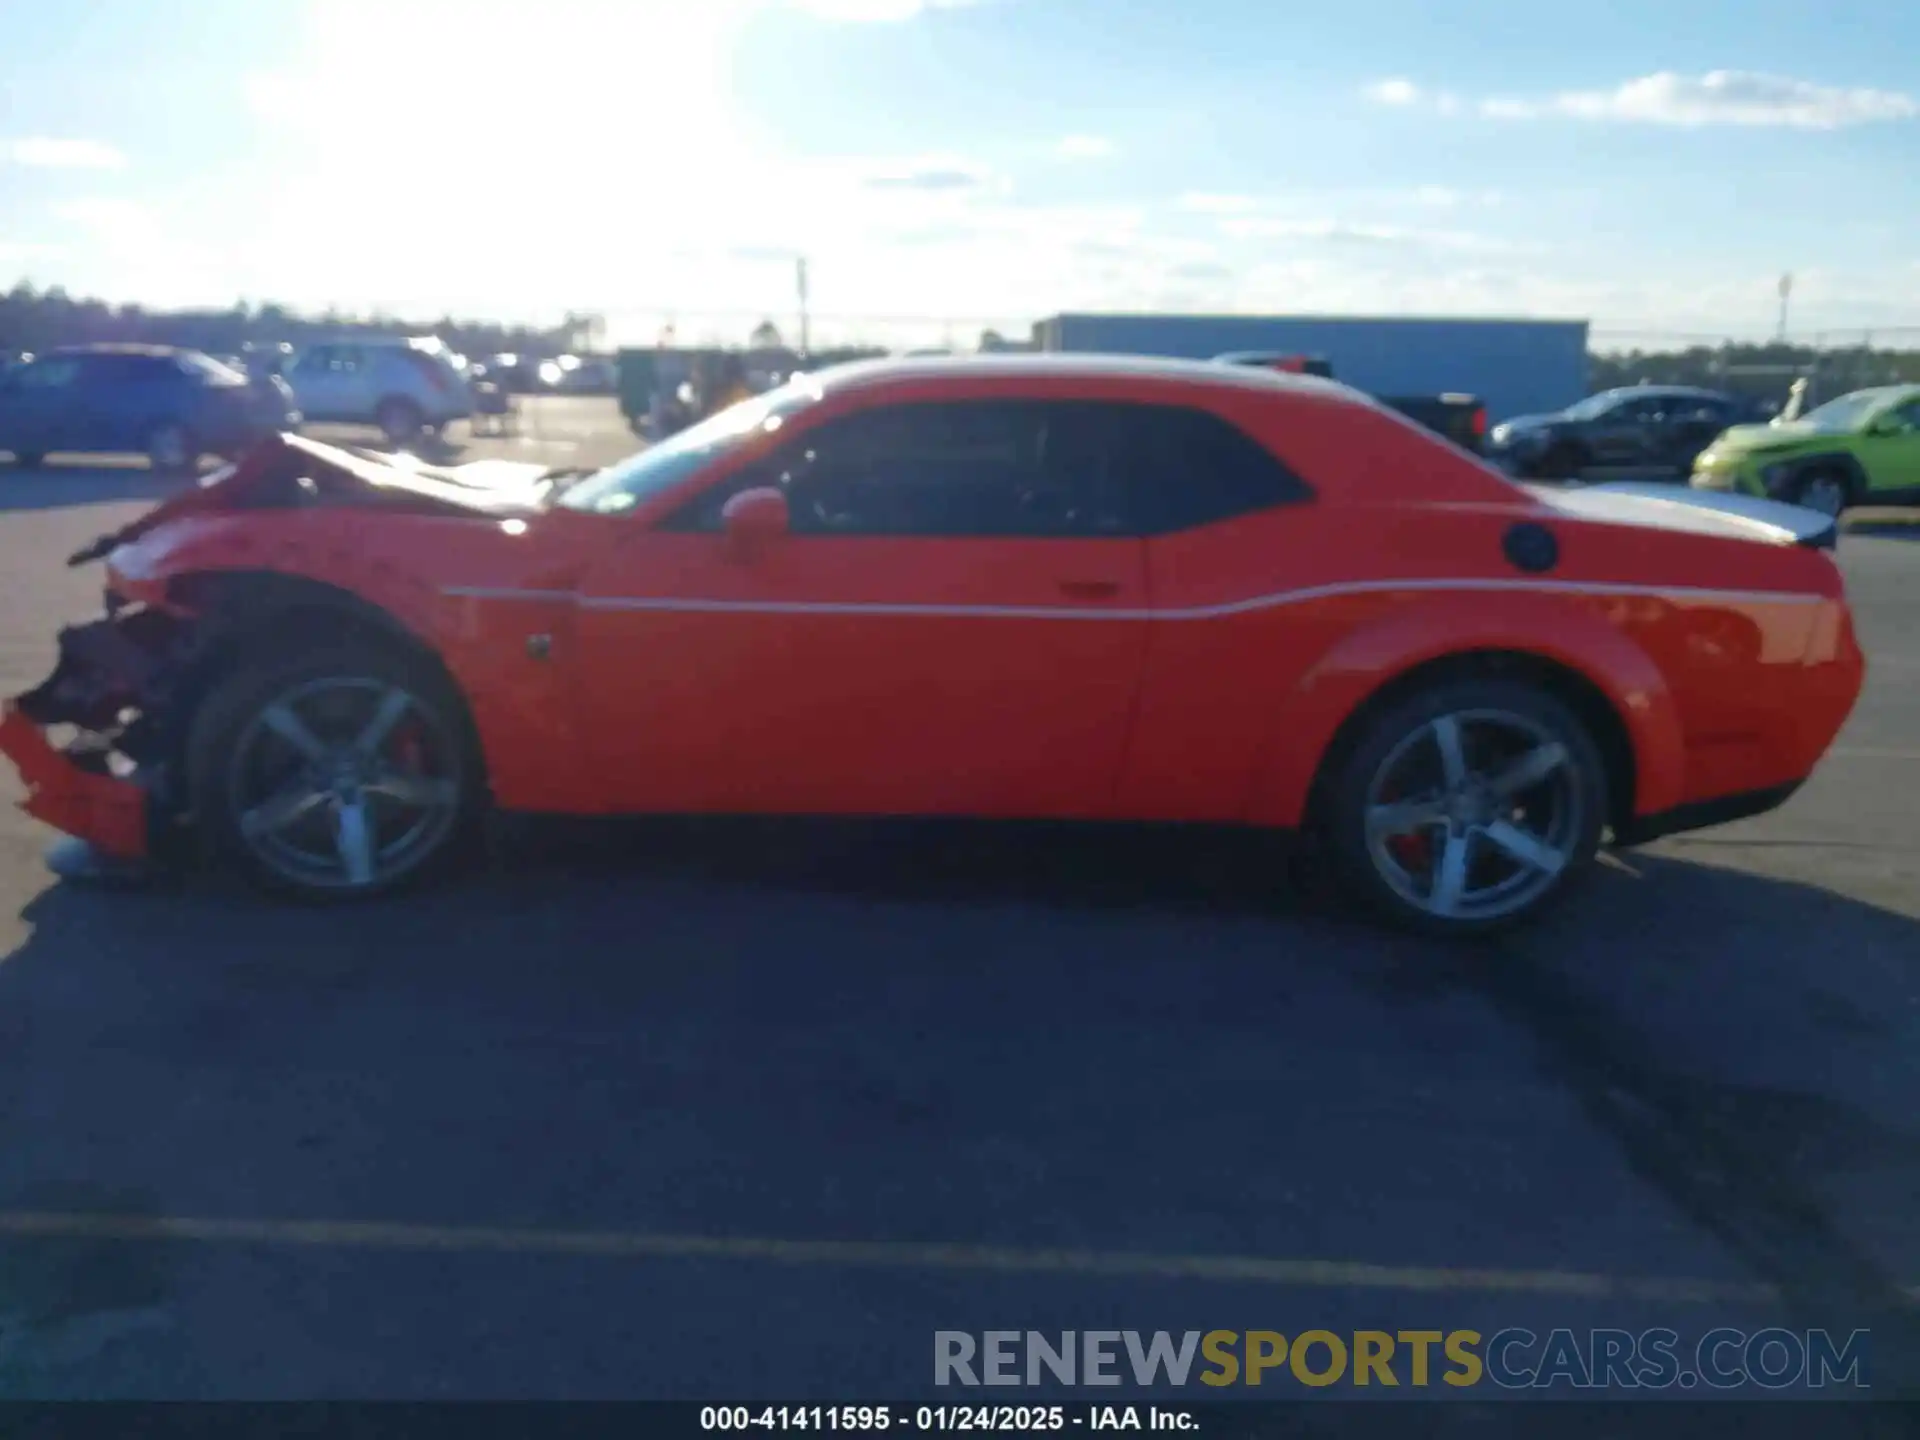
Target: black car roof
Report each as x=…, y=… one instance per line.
x=1690, y=391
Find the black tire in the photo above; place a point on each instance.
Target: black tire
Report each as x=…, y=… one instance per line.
x=224, y=733
x=1826, y=489
x=172, y=449
x=1563, y=461
x=1579, y=805
x=400, y=421
x=28, y=459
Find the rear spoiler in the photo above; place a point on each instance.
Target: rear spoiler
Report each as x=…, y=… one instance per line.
x=1807, y=527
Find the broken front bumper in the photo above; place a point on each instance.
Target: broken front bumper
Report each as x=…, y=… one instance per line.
x=96, y=787
x=106, y=810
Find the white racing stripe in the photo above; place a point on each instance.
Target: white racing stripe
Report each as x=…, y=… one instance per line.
x=1682, y=594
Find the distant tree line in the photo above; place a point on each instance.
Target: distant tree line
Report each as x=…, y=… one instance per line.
x=1762, y=370
x=35, y=320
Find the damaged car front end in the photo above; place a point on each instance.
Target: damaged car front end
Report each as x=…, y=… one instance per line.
x=98, y=744
x=105, y=783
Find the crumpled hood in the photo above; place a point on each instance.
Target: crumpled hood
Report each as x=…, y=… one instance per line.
x=1725, y=514
x=296, y=467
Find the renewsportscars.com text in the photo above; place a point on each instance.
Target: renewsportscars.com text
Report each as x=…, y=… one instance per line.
x=1722, y=1359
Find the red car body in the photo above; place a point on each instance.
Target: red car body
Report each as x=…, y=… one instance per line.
x=618, y=663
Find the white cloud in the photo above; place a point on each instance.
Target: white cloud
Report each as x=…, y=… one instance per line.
x=1338, y=231
x=868, y=12
x=102, y=212
x=1084, y=147
x=1393, y=92
x=1719, y=97
x=1205, y=203
x=931, y=174
x=1361, y=233
x=1725, y=97
x=48, y=153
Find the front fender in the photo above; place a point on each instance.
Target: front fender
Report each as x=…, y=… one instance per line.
x=495, y=653
x=1570, y=631
x=1797, y=465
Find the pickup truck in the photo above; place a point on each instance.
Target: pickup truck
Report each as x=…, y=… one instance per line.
x=1461, y=418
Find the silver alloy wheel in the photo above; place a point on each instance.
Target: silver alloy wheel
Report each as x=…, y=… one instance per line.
x=1474, y=815
x=344, y=783
x=1824, y=493
x=167, y=450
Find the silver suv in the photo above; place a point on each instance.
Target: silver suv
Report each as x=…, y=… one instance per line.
x=406, y=387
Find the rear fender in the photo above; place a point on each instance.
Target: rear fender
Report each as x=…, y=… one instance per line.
x=1561, y=631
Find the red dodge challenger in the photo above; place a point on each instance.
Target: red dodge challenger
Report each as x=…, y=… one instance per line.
x=1087, y=588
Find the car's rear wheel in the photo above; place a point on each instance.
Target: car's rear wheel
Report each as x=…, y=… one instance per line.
x=1824, y=490
x=400, y=421
x=171, y=449
x=342, y=775
x=1467, y=807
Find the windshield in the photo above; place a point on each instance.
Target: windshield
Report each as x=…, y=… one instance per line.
x=1845, y=413
x=1593, y=407
x=639, y=477
x=208, y=368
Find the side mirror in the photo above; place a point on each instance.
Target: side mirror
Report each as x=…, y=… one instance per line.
x=753, y=520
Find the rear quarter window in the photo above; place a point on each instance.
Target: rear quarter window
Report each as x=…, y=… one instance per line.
x=1192, y=467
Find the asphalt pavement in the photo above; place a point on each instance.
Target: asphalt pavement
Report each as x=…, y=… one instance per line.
x=662, y=1111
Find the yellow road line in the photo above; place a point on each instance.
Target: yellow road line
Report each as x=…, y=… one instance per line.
x=631, y=1245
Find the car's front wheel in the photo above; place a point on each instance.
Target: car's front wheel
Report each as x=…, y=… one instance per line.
x=1468, y=806
x=341, y=775
x=1823, y=490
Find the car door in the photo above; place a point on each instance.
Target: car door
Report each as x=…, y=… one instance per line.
x=328, y=381
x=1890, y=452
x=1691, y=424
x=954, y=624
x=1626, y=434
x=36, y=407
x=118, y=400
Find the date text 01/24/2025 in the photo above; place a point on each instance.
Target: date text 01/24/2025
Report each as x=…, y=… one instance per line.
x=984, y=1419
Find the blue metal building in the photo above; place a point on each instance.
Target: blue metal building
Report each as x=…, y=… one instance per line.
x=1516, y=367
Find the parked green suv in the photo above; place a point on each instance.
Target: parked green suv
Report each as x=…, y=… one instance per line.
x=1861, y=449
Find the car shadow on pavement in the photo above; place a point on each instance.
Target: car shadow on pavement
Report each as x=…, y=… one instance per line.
x=1885, y=527
x=1739, y=1041
x=60, y=487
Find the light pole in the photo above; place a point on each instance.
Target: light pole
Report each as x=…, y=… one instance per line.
x=800, y=288
x=1786, y=289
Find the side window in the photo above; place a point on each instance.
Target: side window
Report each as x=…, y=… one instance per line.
x=1907, y=417
x=329, y=360
x=1191, y=467
x=112, y=371
x=964, y=468
x=52, y=374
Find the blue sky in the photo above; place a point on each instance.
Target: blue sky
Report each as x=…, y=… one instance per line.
x=1648, y=166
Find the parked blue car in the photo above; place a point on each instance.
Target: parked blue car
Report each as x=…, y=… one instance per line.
x=173, y=406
